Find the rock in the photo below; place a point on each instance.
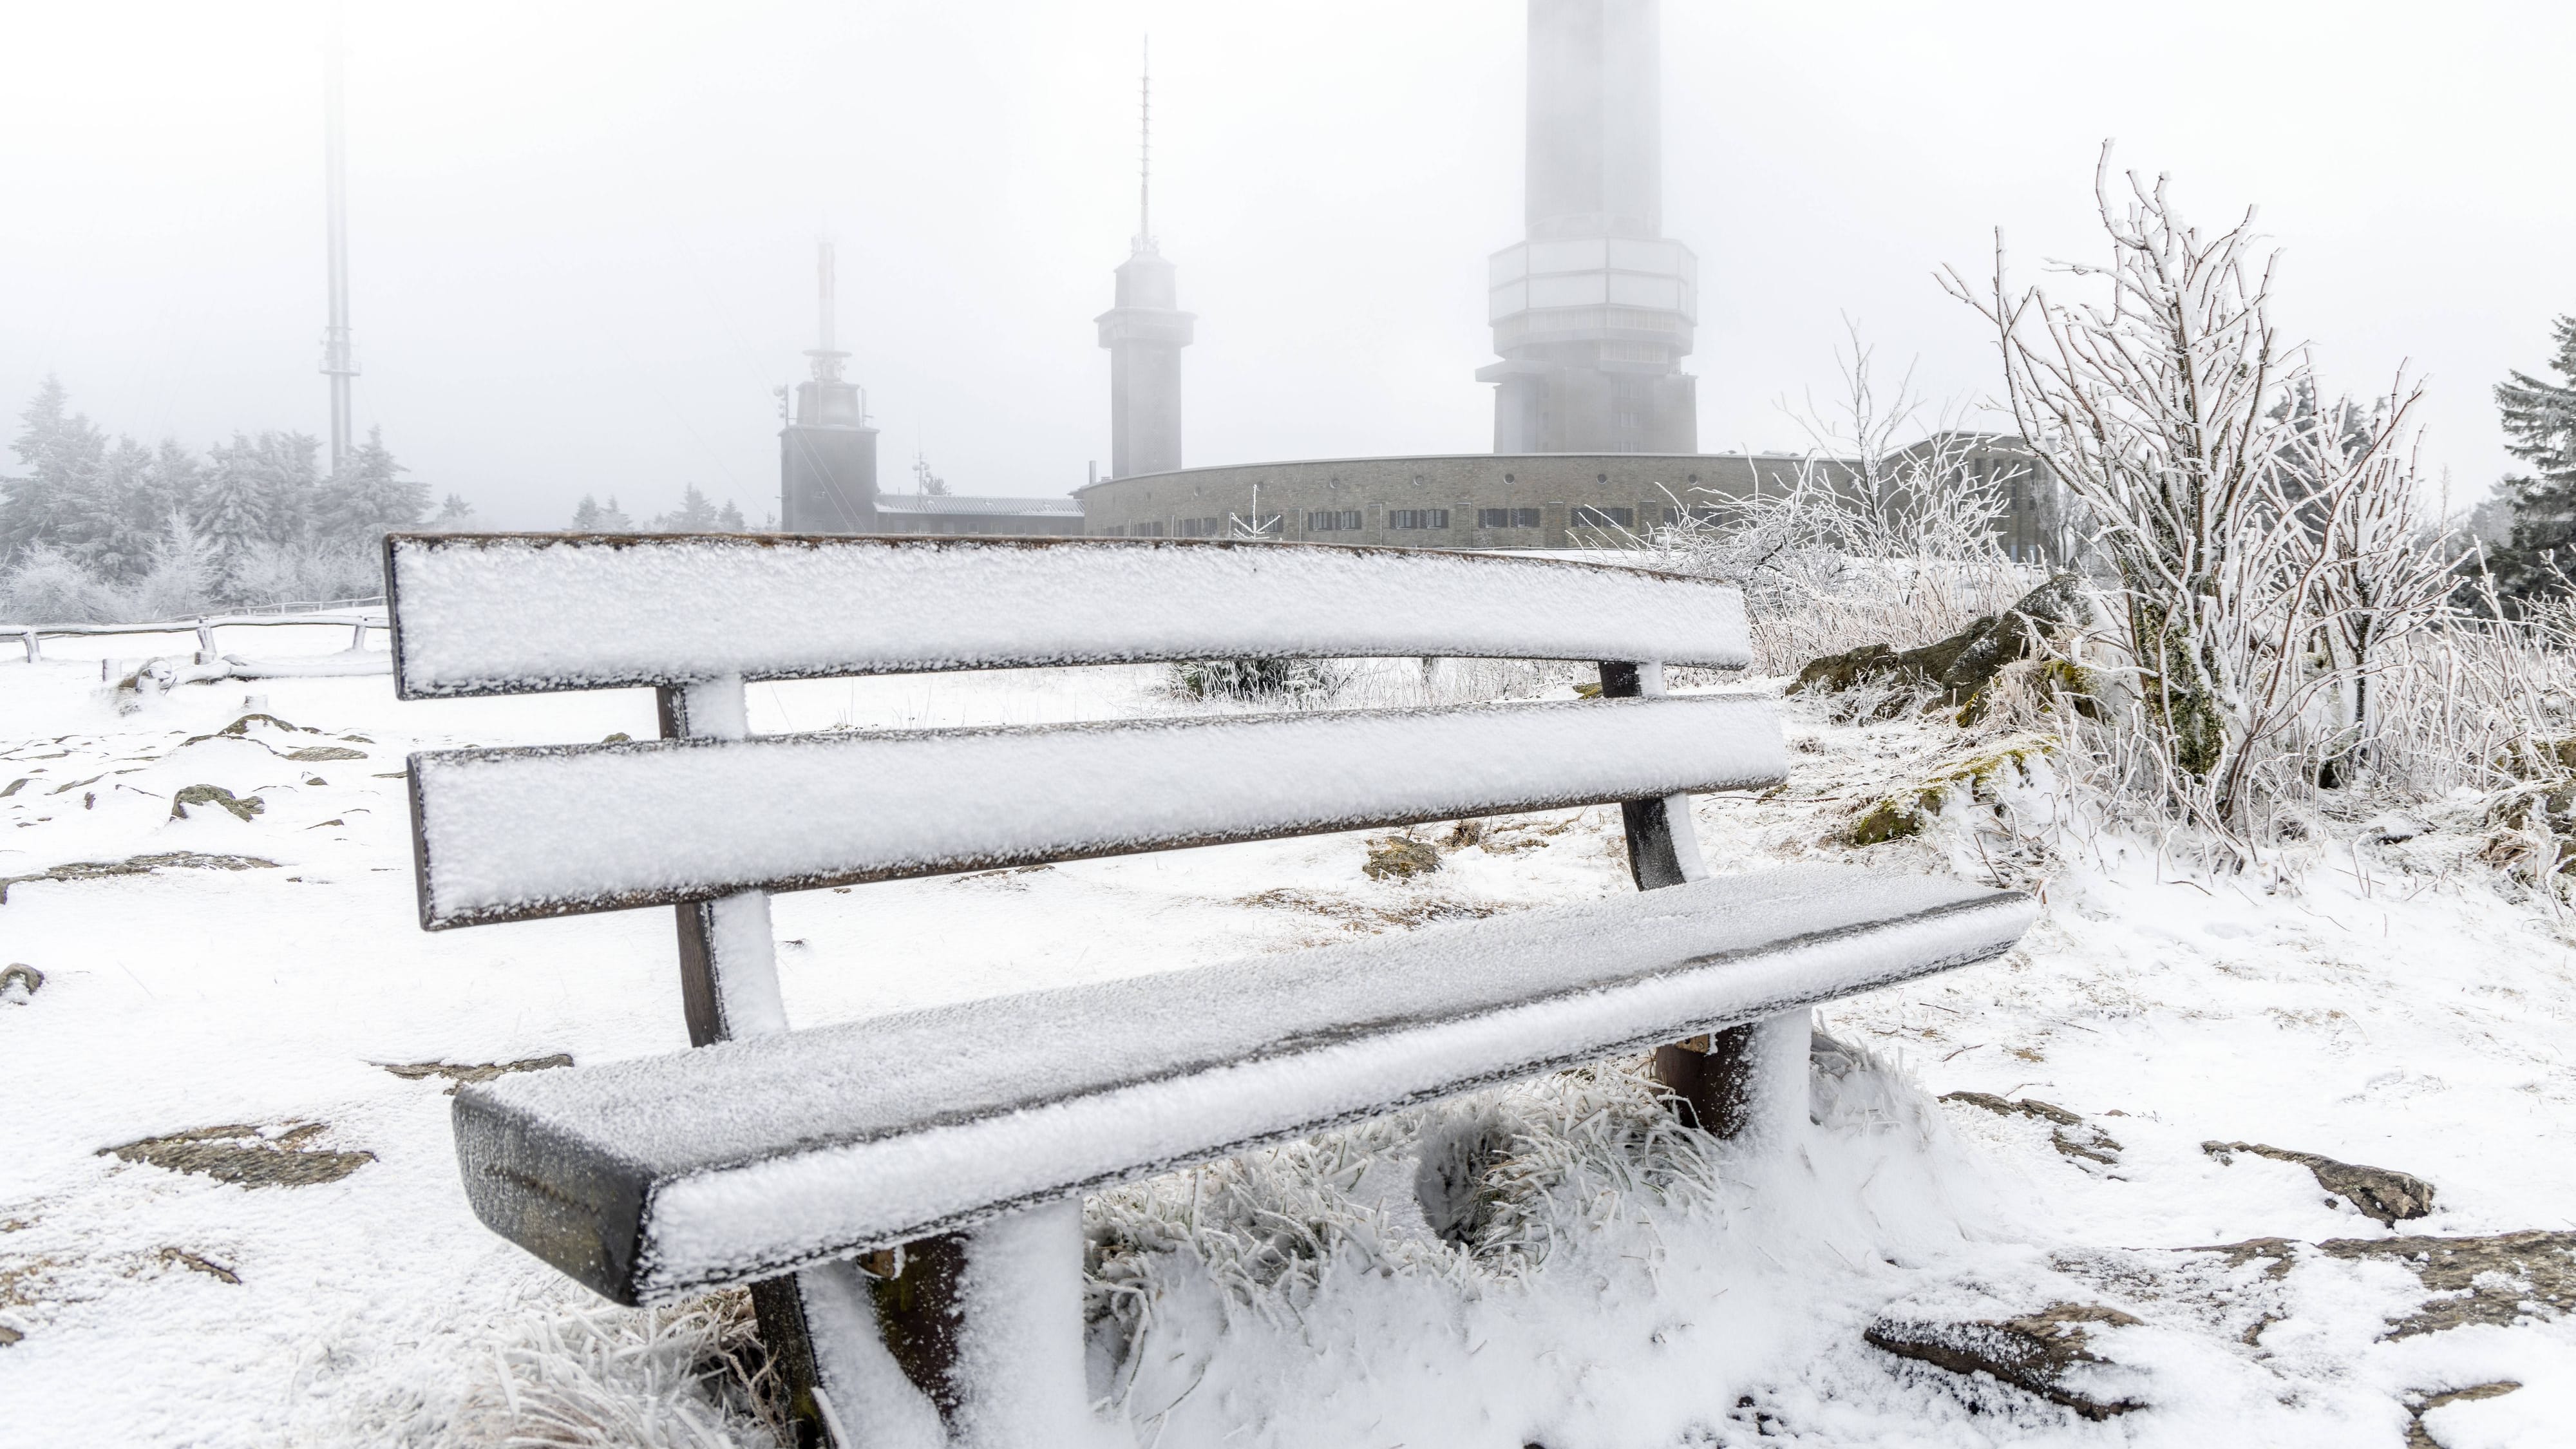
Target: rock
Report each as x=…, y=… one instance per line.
x=2495, y=1279
x=197, y=1263
x=460, y=1074
x=2069, y=1133
x=214, y=795
x=2378, y=1192
x=1961, y=666
x=19, y=983
x=2043, y=1353
x=241, y=1153
x=1981, y=778
x=9, y=1335
x=2391, y=828
x=136, y=865
x=2417, y=1438
x=1400, y=856
x=314, y=753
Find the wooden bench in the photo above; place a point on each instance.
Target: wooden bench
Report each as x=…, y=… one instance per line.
x=903, y=1194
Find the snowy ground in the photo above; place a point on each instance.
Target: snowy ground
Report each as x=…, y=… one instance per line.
x=1630, y=1287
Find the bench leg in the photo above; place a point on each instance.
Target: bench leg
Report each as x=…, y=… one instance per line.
x=988, y=1324
x=1745, y=1083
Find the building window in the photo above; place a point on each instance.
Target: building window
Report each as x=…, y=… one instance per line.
x=1332, y=520
x=1199, y=528
x=1149, y=530
x=1117, y=530
x=1417, y=518
x=1586, y=516
x=1507, y=518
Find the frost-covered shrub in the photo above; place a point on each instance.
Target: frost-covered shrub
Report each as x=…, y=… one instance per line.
x=1307, y=681
x=46, y=587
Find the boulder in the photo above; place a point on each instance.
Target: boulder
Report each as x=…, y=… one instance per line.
x=2047, y=1353
x=2379, y=1192
x=1958, y=668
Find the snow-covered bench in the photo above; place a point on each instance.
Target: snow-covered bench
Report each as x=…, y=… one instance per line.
x=903, y=1193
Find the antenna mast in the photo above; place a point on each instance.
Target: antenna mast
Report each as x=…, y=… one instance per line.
x=1145, y=154
x=339, y=356
x=827, y=357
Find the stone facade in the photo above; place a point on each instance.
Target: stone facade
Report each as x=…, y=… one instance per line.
x=1535, y=501
x=1458, y=500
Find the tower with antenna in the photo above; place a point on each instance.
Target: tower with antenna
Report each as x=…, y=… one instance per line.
x=339, y=352
x=1594, y=312
x=827, y=453
x=1145, y=331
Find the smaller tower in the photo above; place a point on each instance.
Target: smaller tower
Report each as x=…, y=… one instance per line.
x=1145, y=333
x=827, y=456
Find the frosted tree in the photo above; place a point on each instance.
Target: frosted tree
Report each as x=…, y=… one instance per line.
x=2238, y=527
x=729, y=519
x=585, y=515
x=369, y=497
x=2540, y=418
x=289, y=474
x=694, y=515
x=613, y=519
x=60, y=450
x=231, y=506
x=455, y=515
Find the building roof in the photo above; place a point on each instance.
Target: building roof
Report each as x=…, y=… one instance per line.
x=949, y=503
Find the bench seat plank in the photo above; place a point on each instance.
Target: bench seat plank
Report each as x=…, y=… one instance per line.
x=512, y=834
x=522, y=613
x=662, y=1176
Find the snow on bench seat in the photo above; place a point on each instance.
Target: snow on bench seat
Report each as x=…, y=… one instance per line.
x=519, y=613
x=510, y=834
x=663, y=1176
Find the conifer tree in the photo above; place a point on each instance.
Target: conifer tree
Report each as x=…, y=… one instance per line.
x=2540, y=418
x=729, y=518
x=231, y=506
x=59, y=449
x=585, y=517
x=369, y=497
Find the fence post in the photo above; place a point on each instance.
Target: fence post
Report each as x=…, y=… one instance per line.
x=205, y=641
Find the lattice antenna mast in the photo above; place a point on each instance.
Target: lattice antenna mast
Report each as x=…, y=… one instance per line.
x=1145, y=154
x=339, y=352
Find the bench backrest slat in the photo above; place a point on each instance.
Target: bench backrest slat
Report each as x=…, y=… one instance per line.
x=511, y=834
x=523, y=613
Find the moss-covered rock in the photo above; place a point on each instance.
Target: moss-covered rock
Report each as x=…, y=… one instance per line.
x=1977, y=778
x=1958, y=668
x=242, y=808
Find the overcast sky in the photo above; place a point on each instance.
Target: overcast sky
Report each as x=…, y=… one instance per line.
x=583, y=234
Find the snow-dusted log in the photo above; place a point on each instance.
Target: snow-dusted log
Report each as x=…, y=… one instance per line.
x=510, y=834
x=519, y=613
x=658, y=1177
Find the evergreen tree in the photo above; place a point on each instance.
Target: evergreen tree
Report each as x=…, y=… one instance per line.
x=455, y=515
x=104, y=517
x=695, y=515
x=289, y=473
x=613, y=519
x=231, y=505
x=369, y=497
x=585, y=518
x=2540, y=418
x=729, y=518
x=60, y=450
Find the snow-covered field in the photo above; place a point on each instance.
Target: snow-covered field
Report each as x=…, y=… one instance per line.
x=1624, y=1284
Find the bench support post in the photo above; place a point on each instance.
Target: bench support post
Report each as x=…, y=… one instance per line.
x=729, y=989
x=1727, y=1082
x=987, y=1323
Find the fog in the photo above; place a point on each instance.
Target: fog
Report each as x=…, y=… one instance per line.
x=583, y=235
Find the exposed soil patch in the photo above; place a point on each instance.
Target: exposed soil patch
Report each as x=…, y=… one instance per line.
x=2041, y=1353
x=245, y=1154
x=1354, y=915
x=2379, y=1192
x=460, y=1074
x=1400, y=857
x=137, y=865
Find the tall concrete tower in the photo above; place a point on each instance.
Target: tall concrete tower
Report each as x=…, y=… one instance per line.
x=1594, y=312
x=339, y=354
x=1145, y=333
x=827, y=457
